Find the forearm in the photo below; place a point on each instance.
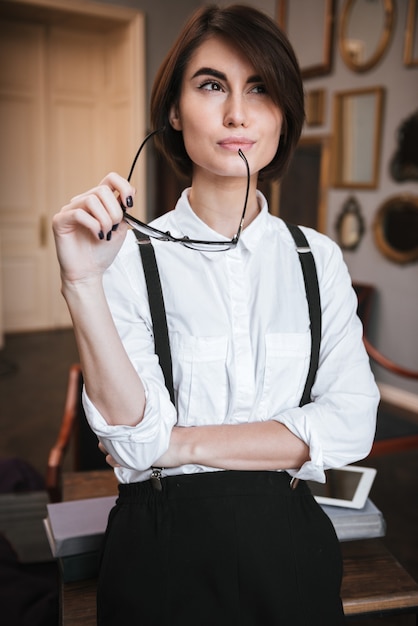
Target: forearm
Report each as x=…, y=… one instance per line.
x=253, y=446
x=112, y=383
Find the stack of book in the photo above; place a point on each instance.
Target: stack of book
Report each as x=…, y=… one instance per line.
x=353, y=524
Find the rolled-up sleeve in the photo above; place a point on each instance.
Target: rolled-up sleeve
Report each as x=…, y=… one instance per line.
x=339, y=424
x=136, y=447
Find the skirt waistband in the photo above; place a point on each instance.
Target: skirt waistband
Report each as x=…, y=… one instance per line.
x=217, y=483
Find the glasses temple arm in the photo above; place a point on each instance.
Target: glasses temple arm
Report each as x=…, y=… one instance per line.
x=242, y=155
x=151, y=134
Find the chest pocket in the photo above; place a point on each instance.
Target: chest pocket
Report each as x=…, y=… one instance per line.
x=286, y=366
x=200, y=378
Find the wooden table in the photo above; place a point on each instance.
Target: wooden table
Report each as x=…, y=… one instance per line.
x=374, y=582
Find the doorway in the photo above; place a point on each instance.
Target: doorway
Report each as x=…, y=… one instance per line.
x=72, y=107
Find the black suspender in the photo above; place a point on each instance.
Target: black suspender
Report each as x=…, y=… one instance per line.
x=159, y=320
x=156, y=303
x=310, y=277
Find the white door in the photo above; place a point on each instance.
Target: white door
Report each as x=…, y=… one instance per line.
x=22, y=176
x=68, y=113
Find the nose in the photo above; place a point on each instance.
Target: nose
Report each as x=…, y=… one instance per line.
x=235, y=111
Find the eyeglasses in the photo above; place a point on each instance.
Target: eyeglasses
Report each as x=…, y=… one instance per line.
x=194, y=244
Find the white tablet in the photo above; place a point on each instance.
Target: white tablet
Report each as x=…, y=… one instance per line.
x=347, y=486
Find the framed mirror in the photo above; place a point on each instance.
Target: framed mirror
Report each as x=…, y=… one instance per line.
x=365, y=31
x=410, y=56
x=404, y=164
x=395, y=228
x=315, y=107
x=313, y=45
x=301, y=196
x=350, y=225
x=357, y=137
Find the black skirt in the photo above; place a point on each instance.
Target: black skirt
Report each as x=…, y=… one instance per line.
x=220, y=549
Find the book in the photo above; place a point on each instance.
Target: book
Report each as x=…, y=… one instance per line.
x=77, y=526
x=354, y=524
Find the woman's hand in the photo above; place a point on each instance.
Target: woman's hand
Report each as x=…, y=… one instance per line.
x=109, y=458
x=89, y=231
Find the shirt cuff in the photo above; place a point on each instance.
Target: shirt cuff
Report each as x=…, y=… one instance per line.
x=298, y=424
x=136, y=447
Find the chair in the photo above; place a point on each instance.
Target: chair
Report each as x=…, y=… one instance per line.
x=365, y=295
x=74, y=430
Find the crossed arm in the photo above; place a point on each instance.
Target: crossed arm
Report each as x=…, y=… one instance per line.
x=253, y=446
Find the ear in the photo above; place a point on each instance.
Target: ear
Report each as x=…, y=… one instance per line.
x=174, y=117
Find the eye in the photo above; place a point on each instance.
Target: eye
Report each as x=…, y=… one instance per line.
x=259, y=89
x=210, y=85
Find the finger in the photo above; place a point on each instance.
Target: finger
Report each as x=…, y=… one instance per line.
x=102, y=448
x=87, y=217
x=111, y=461
x=109, y=458
x=124, y=190
x=101, y=204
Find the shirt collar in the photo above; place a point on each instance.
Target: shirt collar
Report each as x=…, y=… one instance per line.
x=188, y=223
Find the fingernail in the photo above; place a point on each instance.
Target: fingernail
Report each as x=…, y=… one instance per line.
x=109, y=235
x=115, y=227
x=129, y=202
x=101, y=235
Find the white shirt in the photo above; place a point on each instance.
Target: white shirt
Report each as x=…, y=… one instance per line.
x=239, y=334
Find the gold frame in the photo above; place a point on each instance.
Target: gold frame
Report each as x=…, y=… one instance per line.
x=411, y=33
x=315, y=107
x=389, y=9
x=273, y=189
x=382, y=244
x=324, y=66
x=339, y=123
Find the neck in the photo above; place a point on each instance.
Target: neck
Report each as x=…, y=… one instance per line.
x=220, y=204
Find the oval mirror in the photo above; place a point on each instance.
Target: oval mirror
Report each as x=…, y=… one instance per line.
x=365, y=31
x=350, y=225
x=395, y=229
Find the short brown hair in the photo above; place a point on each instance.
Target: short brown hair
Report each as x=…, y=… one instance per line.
x=264, y=45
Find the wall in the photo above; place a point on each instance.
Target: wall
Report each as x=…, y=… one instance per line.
x=397, y=304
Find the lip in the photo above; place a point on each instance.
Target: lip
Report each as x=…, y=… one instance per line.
x=236, y=143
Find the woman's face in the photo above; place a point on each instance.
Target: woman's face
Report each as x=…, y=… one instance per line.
x=224, y=107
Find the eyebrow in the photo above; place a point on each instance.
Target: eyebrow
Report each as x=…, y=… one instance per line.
x=209, y=71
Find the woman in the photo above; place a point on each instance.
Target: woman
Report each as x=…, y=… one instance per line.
x=220, y=537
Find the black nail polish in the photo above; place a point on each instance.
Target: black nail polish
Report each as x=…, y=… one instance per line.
x=129, y=202
x=109, y=236
x=101, y=235
x=115, y=227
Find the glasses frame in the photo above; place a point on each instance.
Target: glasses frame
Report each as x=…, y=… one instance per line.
x=194, y=244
